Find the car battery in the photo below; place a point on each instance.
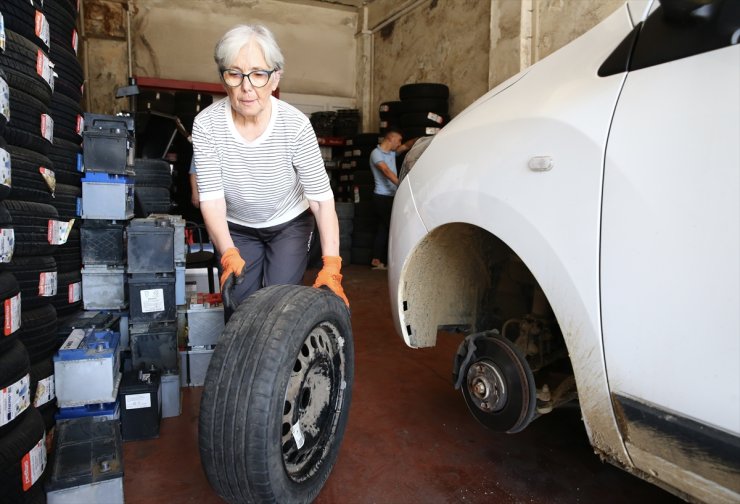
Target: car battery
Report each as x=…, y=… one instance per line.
x=205, y=320
x=104, y=287
x=154, y=344
x=171, y=395
x=178, y=223
x=108, y=143
x=86, y=320
x=107, y=196
x=194, y=365
x=141, y=405
x=150, y=246
x=152, y=298
x=87, y=368
x=87, y=464
x=103, y=242
x=102, y=411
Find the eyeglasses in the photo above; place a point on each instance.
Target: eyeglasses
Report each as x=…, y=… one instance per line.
x=257, y=78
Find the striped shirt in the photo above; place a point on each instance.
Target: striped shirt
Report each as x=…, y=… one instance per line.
x=267, y=181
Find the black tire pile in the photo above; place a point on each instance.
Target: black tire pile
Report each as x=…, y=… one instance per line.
x=422, y=110
x=153, y=131
x=40, y=140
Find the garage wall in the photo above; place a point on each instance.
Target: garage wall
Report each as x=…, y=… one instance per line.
x=174, y=39
x=470, y=45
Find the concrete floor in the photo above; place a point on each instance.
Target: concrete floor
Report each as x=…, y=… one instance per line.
x=410, y=437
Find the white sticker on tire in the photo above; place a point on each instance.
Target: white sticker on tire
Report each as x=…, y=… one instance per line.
x=45, y=391
x=4, y=99
x=75, y=40
x=57, y=232
x=45, y=68
x=48, y=283
x=7, y=245
x=33, y=464
x=2, y=33
x=42, y=28
x=47, y=127
x=436, y=118
x=14, y=399
x=298, y=435
x=12, y=311
x=50, y=178
x=152, y=300
x=74, y=292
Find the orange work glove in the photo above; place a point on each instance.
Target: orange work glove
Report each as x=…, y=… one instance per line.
x=330, y=276
x=232, y=264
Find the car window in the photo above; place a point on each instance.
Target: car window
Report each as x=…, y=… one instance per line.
x=677, y=29
x=674, y=31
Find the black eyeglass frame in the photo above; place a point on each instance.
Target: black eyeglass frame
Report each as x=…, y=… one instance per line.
x=247, y=75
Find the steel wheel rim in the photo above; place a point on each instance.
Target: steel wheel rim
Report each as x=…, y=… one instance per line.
x=312, y=402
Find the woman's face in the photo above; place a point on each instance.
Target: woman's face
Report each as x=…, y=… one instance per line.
x=246, y=100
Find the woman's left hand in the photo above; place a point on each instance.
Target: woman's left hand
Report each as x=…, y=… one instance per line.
x=331, y=277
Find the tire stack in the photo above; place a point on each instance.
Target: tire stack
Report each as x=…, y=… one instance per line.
x=152, y=187
x=37, y=112
x=345, y=214
x=424, y=109
x=323, y=123
x=347, y=123
x=358, y=152
x=390, y=115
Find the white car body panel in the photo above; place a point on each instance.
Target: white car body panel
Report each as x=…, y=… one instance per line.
x=576, y=190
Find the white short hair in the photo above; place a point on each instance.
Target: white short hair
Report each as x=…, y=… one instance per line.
x=233, y=40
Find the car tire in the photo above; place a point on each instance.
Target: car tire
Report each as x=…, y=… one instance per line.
x=281, y=343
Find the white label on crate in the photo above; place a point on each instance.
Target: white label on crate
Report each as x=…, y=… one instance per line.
x=58, y=231
x=80, y=126
x=152, y=300
x=138, y=401
x=436, y=118
x=298, y=435
x=45, y=391
x=7, y=245
x=2, y=33
x=12, y=310
x=45, y=68
x=74, y=292
x=14, y=399
x=74, y=340
x=42, y=28
x=50, y=178
x=4, y=99
x=75, y=40
x=33, y=464
x=48, y=284
x=47, y=127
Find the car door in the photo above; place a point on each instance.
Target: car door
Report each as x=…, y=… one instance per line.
x=670, y=247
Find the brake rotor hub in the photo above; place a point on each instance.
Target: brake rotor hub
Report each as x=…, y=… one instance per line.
x=487, y=386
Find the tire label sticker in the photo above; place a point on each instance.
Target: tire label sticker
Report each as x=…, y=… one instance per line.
x=45, y=68
x=431, y=131
x=14, y=399
x=33, y=464
x=12, y=310
x=357, y=153
x=58, y=231
x=384, y=108
x=74, y=292
x=298, y=435
x=80, y=126
x=436, y=118
x=47, y=127
x=7, y=245
x=138, y=401
x=50, y=179
x=383, y=124
x=45, y=391
x=4, y=99
x=75, y=40
x=152, y=300
x=2, y=33
x=48, y=283
x=42, y=28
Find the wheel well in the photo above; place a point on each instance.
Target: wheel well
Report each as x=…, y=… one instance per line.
x=461, y=276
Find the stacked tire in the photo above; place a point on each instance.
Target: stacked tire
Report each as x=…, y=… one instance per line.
x=152, y=187
x=424, y=109
x=363, y=221
x=41, y=125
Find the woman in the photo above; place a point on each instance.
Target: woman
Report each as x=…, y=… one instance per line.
x=261, y=178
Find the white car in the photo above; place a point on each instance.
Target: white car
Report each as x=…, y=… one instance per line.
x=580, y=223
